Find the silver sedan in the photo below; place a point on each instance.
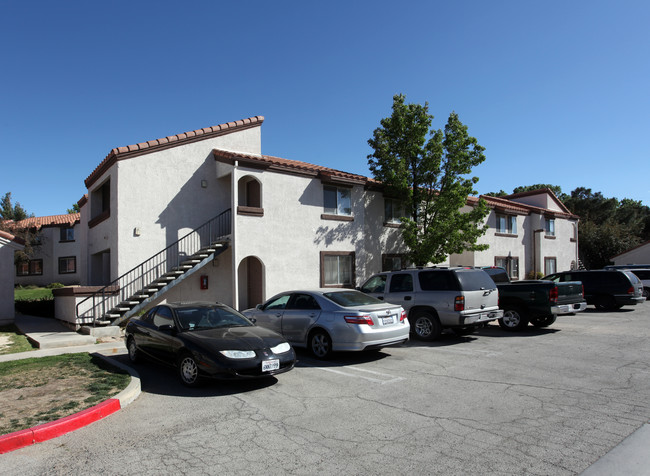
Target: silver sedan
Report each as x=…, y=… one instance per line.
x=326, y=320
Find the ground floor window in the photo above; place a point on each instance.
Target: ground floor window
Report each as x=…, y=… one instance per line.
x=550, y=266
x=68, y=265
x=33, y=267
x=393, y=262
x=510, y=264
x=337, y=269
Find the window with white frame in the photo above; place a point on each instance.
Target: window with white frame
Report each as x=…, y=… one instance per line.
x=549, y=227
x=510, y=264
x=337, y=200
x=67, y=265
x=393, y=211
x=550, y=266
x=337, y=269
x=507, y=224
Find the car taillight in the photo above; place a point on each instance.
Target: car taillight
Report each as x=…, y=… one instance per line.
x=552, y=295
x=459, y=303
x=631, y=290
x=359, y=320
x=402, y=316
x=583, y=291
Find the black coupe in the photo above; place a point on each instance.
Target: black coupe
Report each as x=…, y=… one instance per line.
x=207, y=340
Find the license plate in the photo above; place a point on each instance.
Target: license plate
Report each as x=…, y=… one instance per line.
x=387, y=321
x=268, y=365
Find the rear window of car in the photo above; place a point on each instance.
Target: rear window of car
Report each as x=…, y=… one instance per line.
x=351, y=298
x=437, y=281
x=474, y=279
x=633, y=277
x=642, y=273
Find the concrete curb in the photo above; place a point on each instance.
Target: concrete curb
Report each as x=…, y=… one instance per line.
x=47, y=431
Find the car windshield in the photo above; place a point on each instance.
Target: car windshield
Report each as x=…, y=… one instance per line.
x=351, y=298
x=194, y=318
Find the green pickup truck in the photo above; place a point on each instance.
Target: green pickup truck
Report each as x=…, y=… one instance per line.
x=536, y=301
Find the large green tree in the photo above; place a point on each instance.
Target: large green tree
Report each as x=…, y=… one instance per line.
x=9, y=211
x=10, y=214
x=430, y=176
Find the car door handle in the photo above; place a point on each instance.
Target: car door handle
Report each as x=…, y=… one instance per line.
x=279, y=314
x=407, y=298
x=380, y=297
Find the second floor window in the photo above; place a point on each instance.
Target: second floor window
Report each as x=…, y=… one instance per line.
x=337, y=200
x=393, y=211
x=507, y=224
x=550, y=227
x=67, y=234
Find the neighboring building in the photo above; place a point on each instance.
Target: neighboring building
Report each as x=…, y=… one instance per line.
x=9, y=244
x=55, y=253
x=275, y=224
x=529, y=233
x=638, y=255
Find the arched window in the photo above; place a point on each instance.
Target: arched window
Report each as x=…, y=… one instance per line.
x=249, y=194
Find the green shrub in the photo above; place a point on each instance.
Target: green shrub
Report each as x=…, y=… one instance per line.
x=55, y=286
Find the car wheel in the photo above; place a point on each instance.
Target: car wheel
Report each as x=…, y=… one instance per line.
x=320, y=344
x=646, y=293
x=513, y=319
x=464, y=331
x=606, y=303
x=134, y=353
x=188, y=370
x=543, y=321
x=426, y=326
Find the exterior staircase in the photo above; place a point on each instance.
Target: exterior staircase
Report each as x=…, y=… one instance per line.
x=134, y=290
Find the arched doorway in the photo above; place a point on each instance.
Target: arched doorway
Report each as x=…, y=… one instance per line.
x=251, y=282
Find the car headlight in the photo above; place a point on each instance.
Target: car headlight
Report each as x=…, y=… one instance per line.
x=238, y=354
x=281, y=348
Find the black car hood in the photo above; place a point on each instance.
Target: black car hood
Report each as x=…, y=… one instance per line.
x=234, y=338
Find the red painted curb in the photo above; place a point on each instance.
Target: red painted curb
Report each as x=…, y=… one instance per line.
x=47, y=431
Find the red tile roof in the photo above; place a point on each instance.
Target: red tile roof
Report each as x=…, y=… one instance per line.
x=10, y=237
x=129, y=151
x=539, y=192
x=69, y=219
x=289, y=166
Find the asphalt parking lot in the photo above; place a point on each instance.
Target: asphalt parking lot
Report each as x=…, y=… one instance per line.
x=540, y=402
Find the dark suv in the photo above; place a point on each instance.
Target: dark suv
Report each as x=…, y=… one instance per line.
x=605, y=289
x=436, y=298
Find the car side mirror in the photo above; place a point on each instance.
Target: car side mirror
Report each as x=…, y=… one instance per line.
x=259, y=306
x=168, y=328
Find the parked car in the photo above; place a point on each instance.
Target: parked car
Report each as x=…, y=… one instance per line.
x=605, y=289
x=642, y=271
x=627, y=266
x=459, y=299
x=536, y=301
x=332, y=319
x=644, y=276
x=207, y=340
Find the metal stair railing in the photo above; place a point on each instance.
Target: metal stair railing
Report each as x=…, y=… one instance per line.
x=168, y=262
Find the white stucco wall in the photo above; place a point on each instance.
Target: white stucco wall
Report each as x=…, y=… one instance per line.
x=291, y=235
x=639, y=255
x=7, y=273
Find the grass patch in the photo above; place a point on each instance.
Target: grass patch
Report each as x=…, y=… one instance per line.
x=12, y=341
x=41, y=390
x=31, y=293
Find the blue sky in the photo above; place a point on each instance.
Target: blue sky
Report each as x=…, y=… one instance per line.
x=556, y=91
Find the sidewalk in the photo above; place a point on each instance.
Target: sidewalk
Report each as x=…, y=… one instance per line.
x=53, y=338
